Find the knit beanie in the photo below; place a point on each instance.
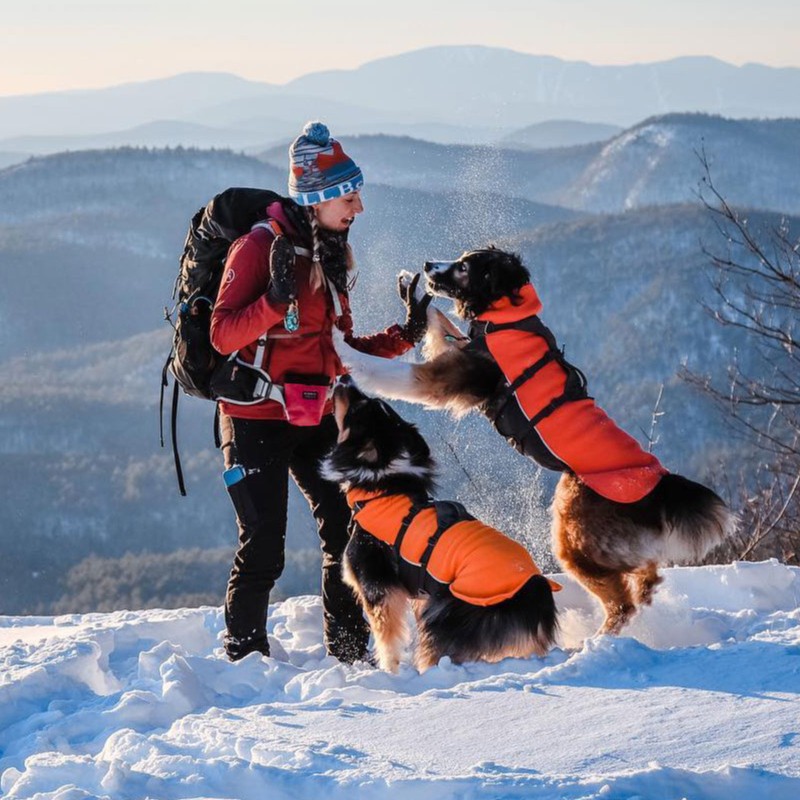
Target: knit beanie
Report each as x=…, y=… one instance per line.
x=319, y=169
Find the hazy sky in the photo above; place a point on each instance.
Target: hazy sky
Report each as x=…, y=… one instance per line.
x=68, y=44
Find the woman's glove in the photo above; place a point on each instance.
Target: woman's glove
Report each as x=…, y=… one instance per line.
x=416, y=309
x=282, y=284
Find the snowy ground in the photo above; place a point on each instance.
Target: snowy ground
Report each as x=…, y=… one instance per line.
x=698, y=700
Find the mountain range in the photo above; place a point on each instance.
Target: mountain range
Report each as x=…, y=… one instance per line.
x=465, y=94
x=652, y=163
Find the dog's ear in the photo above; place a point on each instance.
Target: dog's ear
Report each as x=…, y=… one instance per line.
x=505, y=273
x=515, y=271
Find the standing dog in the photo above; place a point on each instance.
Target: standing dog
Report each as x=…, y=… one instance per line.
x=617, y=513
x=478, y=594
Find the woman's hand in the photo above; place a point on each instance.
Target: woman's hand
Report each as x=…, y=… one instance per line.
x=416, y=308
x=282, y=284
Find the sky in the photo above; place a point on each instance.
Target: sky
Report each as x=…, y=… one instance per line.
x=53, y=45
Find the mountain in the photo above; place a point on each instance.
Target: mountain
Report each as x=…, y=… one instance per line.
x=512, y=89
x=540, y=175
x=657, y=162
x=92, y=111
x=161, y=133
x=102, y=232
x=8, y=159
x=653, y=163
x=558, y=133
x=473, y=94
x=698, y=699
x=282, y=115
x=104, y=228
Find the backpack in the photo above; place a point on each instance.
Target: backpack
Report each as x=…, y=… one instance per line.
x=192, y=360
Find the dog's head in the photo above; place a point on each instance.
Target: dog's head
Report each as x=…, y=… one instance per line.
x=477, y=279
x=376, y=448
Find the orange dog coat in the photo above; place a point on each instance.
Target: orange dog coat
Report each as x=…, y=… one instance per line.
x=555, y=420
x=477, y=563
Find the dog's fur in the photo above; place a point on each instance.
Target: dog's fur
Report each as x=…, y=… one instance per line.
x=379, y=451
x=613, y=549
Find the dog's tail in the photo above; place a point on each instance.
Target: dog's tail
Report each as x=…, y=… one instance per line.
x=694, y=519
x=543, y=620
x=516, y=627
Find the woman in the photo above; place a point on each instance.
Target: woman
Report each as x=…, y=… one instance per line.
x=284, y=287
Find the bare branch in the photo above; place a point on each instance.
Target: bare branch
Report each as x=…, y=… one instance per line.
x=756, y=282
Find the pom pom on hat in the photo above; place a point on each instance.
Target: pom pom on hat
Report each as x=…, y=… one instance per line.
x=317, y=133
x=319, y=169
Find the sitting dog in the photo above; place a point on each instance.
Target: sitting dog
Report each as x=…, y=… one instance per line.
x=617, y=513
x=477, y=594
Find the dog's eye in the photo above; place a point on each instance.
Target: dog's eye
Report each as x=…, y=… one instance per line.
x=463, y=267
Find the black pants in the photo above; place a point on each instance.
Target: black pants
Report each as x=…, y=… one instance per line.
x=270, y=450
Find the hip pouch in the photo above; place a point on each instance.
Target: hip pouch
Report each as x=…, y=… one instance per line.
x=305, y=397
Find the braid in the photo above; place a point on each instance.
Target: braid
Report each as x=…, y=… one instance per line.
x=316, y=276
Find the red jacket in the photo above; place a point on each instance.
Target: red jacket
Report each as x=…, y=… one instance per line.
x=243, y=313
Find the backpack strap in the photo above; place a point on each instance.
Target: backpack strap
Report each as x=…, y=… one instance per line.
x=264, y=388
x=217, y=434
x=175, y=454
x=272, y=225
x=337, y=305
x=258, y=358
x=173, y=420
x=164, y=385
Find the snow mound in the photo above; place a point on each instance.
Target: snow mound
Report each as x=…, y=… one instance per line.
x=698, y=700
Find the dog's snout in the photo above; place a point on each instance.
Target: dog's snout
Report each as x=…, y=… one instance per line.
x=346, y=388
x=434, y=267
x=342, y=389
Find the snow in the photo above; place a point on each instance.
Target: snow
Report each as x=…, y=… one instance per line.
x=699, y=699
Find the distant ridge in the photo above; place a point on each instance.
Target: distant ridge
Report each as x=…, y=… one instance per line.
x=652, y=163
x=492, y=90
x=559, y=133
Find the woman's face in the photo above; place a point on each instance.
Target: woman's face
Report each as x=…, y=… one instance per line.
x=338, y=214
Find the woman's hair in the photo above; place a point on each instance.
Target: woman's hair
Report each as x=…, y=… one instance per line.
x=331, y=254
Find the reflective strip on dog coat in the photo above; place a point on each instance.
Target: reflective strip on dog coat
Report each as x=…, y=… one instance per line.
x=577, y=433
x=477, y=563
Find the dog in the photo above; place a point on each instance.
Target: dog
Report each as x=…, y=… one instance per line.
x=476, y=593
x=617, y=514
